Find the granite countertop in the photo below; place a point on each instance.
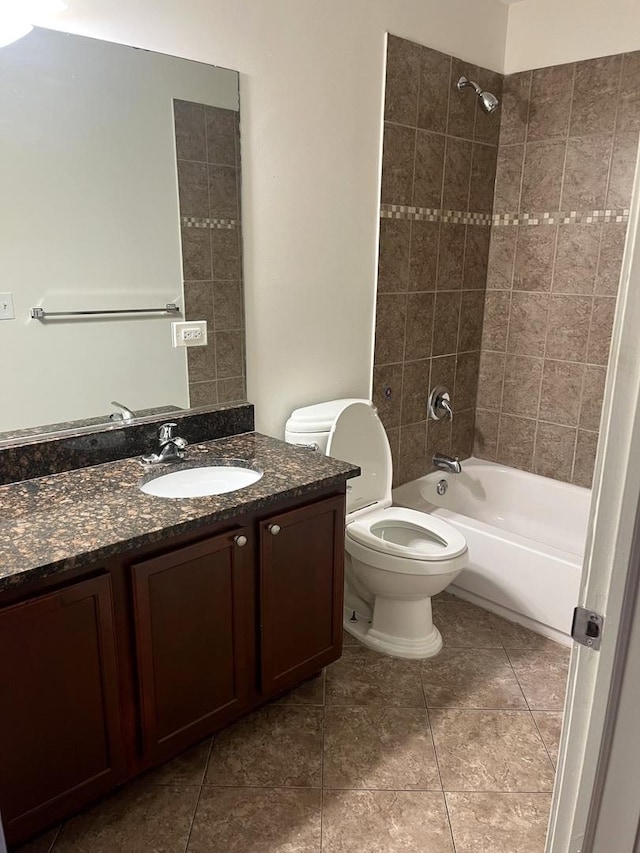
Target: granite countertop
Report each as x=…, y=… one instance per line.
x=63, y=521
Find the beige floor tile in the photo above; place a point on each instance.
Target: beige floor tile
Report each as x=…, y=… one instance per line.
x=363, y=677
x=384, y=822
x=257, y=820
x=516, y=636
x=465, y=626
x=348, y=639
x=499, y=823
x=471, y=678
x=276, y=746
x=490, y=751
x=549, y=725
x=41, y=844
x=186, y=769
x=139, y=819
x=373, y=747
x=309, y=693
x=542, y=676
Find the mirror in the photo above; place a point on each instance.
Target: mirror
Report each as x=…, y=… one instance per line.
x=120, y=176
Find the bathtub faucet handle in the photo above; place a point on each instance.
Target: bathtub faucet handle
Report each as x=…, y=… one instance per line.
x=439, y=404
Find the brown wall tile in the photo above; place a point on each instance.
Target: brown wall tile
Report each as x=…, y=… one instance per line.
x=447, y=318
x=486, y=435
x=509, y=168
x=561, y=391
x=398, y=152
x=222, y=136
x=439, y=437
x=429, y=165
x=423, y=255
x=393, y=260
x=415, y=391
x=555, y=446
x=623, y=169
x=516, y=93
x=487, y=126
x=419, y=327
x=585, y=458
x=435, y=72
x=595, y=93
x=592, y=397
x=551, y=91
x=496, y=320
x=576, y=259
x=628, y=117
x=521, y=391
x=412, y=454
x=568, y=327
x=502, y=253
x=483, y=173
x=542, y=178
x=457, y=174
x=612, y=245
x=466, y=380
x=527, y=323
x=604, y=309
x=451, y=256
x=471, y=314
x=535, y=253
x=491, y=380
x=516, y=439
x=402, y=77
x=462, y=105
x=476, y=257
x=586, y=172
x=387, y=394
x=190, y=127
x=391, y=314
x=462, y=430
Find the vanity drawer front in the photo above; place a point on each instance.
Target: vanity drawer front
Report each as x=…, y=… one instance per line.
x=301, y=593
x=194, y=618
x=60, y=736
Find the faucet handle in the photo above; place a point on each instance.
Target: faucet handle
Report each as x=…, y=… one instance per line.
x=165, y=433
x=439, y=404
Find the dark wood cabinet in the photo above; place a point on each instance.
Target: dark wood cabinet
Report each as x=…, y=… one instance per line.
x=194, y=615
x=301, y=583
x=60, y=735
x=114, y=669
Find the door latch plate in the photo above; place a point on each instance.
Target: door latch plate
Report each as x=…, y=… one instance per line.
x=587, y=627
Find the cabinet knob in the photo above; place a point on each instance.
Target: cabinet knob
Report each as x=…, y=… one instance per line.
x=274, y=529
x=240, y=541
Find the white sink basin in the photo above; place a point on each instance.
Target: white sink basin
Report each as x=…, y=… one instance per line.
x=200, y=482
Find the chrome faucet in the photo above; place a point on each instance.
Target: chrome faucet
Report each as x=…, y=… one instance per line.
x=172, y=447
x=124, y=413
x=447, y=463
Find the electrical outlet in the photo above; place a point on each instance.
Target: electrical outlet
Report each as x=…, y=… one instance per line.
x=189, y=333
x=6, y=307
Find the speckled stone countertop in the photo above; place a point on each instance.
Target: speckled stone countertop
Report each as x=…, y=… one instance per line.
x=64, y=521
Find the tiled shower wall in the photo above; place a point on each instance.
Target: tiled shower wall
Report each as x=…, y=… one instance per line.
x=439, y=162
x=208, y=151
x=566, y=161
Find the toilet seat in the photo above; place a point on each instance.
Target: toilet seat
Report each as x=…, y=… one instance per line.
x=431, y=545
x=407, y=533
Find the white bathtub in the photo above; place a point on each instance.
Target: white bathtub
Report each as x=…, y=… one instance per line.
x=526, y=537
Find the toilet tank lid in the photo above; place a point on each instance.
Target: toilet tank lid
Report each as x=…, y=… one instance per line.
x=319, y=417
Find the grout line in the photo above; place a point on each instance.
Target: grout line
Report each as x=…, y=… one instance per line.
x=55, y=838
x=200, y=788
x=435, y=755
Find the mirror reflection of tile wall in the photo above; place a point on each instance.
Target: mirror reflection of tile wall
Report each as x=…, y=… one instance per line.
x=208, y=151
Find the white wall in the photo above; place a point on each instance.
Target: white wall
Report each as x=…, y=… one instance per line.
x=551, y=32
x=311, y=94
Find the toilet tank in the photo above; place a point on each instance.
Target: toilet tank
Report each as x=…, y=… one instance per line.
x=311, y=425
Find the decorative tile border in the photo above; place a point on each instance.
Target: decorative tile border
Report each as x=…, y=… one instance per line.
x=573, y=217
x=432, y=214
x=207, y=222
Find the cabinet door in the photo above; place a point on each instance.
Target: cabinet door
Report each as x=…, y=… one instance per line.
x=301, y=594
x=60, y=738
x=194, y=611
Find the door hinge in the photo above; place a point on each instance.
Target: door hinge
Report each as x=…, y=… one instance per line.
x=587, y=627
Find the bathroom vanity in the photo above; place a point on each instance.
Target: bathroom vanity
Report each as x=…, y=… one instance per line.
x=133, y=626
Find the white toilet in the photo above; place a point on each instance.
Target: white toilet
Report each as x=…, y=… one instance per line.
x=396, y=558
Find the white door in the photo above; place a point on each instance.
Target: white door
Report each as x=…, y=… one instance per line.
x=596, y=804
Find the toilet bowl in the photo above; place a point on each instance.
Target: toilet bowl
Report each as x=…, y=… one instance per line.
x=396, y=559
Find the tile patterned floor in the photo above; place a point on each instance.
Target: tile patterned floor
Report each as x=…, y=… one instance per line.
x=377, y=755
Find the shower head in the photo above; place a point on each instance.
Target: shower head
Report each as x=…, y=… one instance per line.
x=488, y=102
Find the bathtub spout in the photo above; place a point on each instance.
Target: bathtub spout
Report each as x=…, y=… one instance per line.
x=447, y=463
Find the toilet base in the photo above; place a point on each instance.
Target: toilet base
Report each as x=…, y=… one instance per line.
x=419, y=648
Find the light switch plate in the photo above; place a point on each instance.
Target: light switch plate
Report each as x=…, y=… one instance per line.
x=6, y=307
x=189, y=333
